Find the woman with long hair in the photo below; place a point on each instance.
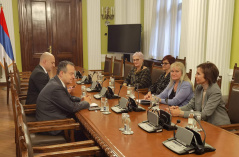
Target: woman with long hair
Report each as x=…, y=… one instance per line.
x=180, y=89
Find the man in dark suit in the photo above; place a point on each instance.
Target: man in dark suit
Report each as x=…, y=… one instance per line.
x=54, y=101
x=39, y=77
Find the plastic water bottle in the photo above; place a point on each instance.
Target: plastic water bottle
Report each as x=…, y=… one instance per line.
x=191, y=121
x=112, y=84
x=127, y=125
x=128, y=90
x=106, y=106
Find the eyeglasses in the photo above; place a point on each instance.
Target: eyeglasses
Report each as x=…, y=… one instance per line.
x=135, y=60
x=165, y=63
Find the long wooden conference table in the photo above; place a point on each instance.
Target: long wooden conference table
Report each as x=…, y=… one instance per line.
x=104, y=129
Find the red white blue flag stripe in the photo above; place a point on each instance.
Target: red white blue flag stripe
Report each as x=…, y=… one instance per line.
x=5, y=42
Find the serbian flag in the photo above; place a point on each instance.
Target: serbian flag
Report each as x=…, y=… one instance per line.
x=5, y=42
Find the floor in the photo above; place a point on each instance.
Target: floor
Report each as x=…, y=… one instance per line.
x=7, y=144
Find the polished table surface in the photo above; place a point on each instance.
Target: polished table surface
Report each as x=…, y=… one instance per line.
x=105, y=131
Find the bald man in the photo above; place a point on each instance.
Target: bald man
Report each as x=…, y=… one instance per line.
x=39, y=77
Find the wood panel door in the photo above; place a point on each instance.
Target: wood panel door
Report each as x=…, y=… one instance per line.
x=50, y=25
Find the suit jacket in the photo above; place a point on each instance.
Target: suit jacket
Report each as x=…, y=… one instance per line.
x=54, y=102
x=183, y=94
x=37, y=82
x=214, y=110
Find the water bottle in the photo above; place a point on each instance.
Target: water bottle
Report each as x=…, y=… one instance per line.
x=127, y=125
x=128, y=90
x=191, y=121
x=83, y=89
x=106, y=105
x=112, y=84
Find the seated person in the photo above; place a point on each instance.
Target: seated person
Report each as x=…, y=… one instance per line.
x=139, y=76
x=207, y=98
x=180, y=90
x=54, y=101
x=163, y=80
x=39, y=77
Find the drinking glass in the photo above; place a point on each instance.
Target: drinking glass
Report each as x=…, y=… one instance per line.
x=102, y=103
x=83, y=90
x=100, y=77
x=124, y=116
x=196, y=125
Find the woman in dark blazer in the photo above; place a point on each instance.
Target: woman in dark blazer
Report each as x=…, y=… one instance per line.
x=139, y=76
x=163, y=80
x=207, y=98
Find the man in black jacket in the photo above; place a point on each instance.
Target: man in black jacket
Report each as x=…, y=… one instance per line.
x=39, y=77
x=54, y=101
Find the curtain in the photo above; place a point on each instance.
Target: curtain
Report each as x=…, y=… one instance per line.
x=206, y=35
x=166, y=28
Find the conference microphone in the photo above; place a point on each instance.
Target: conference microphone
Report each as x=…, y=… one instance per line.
x=103, y=82
x=119, y=91
x=178, y=121
x=152, y=106
x=138, y=94
x=168, y=117
x=200, y=148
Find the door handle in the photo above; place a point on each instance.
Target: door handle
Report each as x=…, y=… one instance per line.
x=50, y=49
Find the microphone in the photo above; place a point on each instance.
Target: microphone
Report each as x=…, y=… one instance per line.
x=119, y=91
x=178, y=121
x=103, y=82
x=152, y=106
x=138, y=94
x=200, y=148
x=120, y=88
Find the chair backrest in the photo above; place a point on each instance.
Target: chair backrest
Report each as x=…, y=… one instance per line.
x=17, y=81
x=233, y=106
x=118, y=67
x=235, y=75
x=156, y=72
x=108, y=64
x=24, y=140
x=219, y=81
x=190, y=74
x=181, y=60
x=127, y=67
x=25, y=144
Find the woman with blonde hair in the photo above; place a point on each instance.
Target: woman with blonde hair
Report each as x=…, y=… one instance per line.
x=180, y=89
x=139, y=76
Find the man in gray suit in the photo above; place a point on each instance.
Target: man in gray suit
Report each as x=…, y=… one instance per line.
x=54, y=101
x=39, y=77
